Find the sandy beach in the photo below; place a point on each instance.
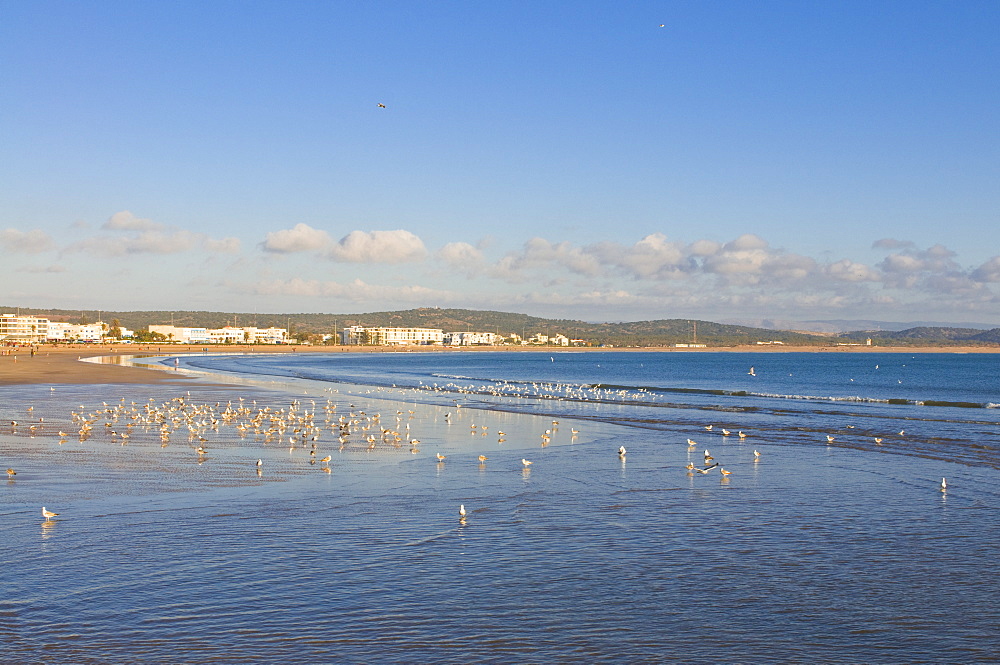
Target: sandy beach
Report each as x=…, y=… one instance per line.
x=59, y=364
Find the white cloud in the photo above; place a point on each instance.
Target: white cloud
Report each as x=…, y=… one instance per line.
x=846, y=270
x=653, y=257
x=299, y=238
x=749, y=260
x=126, y=221
x=378, y=247
x=746, y=243
x=462, y=256
x=912, y=268
x=989, y=271
x=704, y=248
x=26, y=242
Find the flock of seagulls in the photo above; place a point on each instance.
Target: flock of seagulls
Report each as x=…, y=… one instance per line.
x=302, y=428
x=182, y=422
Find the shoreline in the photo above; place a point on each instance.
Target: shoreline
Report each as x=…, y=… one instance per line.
x=61, y=364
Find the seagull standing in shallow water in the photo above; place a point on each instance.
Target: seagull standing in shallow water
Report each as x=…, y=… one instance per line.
x=525, y=462
x=944, y=485
x=48, y=513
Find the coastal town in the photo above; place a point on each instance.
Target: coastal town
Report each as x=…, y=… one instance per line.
x=32, y=329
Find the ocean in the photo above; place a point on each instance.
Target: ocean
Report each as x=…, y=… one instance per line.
x=821, y=545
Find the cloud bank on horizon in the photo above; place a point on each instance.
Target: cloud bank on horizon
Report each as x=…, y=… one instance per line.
x=301, y=268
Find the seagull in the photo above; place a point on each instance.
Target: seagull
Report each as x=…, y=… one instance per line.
x=902, y=432
x=11, y=473
x=752, y=372
x=724, y=472
x=707, y=469
x=692, y=443
x=326, y=459
x=726, y=432
x=260, y=463
x=756, y=456
x=48, y=513
x=483, y=458
x=878, y=440
x=440, y=457
x=708, y=457
x=381, y=105
x=621, y=451
x=830, y=438
x=461, y=512
x=708, y=428
x=741, y=434
x=525, y=462
x=944, y=485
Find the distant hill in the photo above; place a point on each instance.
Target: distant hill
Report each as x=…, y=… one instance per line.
x=928, y=336
x=849, y=325
x=660, y=332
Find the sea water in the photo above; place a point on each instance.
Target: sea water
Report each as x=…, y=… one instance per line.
x=840, y=551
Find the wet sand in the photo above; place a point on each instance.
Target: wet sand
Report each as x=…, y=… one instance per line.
x=60, y=364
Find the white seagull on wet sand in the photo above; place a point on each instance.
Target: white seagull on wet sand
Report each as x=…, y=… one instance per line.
x=48, y=513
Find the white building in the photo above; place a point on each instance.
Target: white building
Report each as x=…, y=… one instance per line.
x=14, y=328
x=471, y=339
x=378, y=336
x=60, y=331
x=226, y=335
x=182, y=335
x=267, y=335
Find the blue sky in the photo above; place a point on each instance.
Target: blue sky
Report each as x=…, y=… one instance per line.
x=786, y=160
